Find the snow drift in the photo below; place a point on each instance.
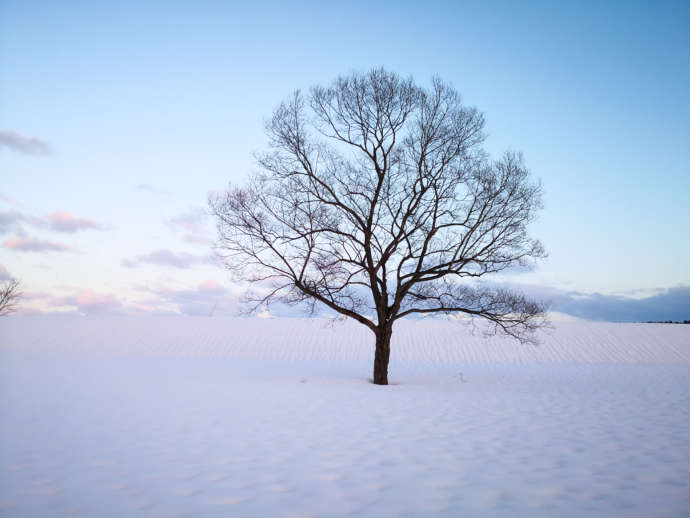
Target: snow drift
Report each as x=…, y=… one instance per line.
x=246, y=417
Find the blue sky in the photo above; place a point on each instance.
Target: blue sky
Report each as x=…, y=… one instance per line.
x=117, y=119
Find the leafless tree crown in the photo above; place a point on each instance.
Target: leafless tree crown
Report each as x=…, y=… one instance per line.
x=9, y=296
x=377, y=200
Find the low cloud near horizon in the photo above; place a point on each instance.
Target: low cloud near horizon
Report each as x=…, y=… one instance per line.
x=207, y=299
x=90, y=302
x=210, y=298
x=80, y=302
x=667, y=304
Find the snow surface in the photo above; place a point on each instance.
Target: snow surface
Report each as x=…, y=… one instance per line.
x=197, y=417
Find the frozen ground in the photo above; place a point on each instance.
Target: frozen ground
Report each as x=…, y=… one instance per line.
x=209, y=417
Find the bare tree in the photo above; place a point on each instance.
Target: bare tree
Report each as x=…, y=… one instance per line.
x=377, y=201
x=9, y=296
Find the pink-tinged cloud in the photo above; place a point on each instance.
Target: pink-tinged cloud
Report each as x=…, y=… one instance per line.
x=66, y=222
x=26, y=145
x=81, y=302
x=90, y=302
x=31, y=244
x=165, y=257
x=61, y=221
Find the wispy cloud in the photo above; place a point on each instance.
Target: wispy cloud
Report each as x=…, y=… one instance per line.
x=26, y=145
x=207, y=299
x=66, y=222
x=84, y=301
x=31, y=244
x=90, y=302
x=192, y=226
x=11, y=221
x=165, y=257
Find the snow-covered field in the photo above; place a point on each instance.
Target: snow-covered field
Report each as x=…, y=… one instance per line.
x=166, y=416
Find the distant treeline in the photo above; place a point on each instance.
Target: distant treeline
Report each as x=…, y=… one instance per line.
x=667, y=322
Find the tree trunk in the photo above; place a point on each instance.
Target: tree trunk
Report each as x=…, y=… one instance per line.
x=382, y=354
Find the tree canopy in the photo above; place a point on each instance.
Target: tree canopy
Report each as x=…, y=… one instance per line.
x=377, y=200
